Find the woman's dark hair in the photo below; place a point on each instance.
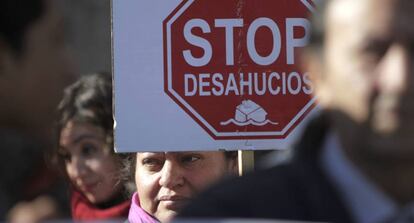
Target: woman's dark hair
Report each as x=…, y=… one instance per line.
x=16, y=16
x=130, y=160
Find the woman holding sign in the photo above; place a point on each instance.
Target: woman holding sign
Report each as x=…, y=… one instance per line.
x=166, y=181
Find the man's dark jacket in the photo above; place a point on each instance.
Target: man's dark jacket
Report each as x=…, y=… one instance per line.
x=297, y=190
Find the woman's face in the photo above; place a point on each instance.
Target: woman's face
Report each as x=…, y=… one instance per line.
x=166, y=181
x=91, y=167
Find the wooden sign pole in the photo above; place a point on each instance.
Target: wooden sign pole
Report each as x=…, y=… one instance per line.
x=246, y=161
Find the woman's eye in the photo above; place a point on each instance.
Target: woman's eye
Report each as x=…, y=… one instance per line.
x=151, y=162
x=189, y=159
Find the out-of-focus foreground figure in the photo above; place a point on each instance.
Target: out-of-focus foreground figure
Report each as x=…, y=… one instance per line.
x=355, y=163
x=34, y=68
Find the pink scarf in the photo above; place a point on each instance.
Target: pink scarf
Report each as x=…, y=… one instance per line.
x=137, y=214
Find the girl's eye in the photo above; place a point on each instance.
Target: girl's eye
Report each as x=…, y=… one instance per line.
x=88, y=150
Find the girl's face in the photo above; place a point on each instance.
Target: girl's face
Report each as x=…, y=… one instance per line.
x=167, y=181
x=91, y=168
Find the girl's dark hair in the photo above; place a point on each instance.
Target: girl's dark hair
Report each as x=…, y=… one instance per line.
x=16, y=16
x=89, y=100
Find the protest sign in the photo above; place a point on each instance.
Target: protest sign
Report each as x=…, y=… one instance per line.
x=209, y=74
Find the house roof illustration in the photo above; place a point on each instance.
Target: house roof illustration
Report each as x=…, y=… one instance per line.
x=247, y=107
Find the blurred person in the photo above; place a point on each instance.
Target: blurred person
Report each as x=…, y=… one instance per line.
x=86, y=153
x=34, y=68
x=354, y=163
x=166, y=181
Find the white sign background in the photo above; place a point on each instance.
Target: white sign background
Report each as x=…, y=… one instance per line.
x=146, y=118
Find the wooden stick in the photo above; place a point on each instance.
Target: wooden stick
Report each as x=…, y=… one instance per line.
x=246, y=161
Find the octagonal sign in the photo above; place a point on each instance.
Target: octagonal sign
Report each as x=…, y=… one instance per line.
x=232, y=65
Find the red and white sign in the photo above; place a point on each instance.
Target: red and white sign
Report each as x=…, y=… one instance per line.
x=232, y=65
x=208, y=75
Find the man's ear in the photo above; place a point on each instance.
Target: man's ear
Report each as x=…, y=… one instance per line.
x=312, y=63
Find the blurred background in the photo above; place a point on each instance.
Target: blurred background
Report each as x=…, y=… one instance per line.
x=88, y=33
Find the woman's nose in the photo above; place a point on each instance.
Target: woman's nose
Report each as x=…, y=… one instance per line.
x=172, y=175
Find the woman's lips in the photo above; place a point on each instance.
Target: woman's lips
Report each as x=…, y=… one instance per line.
x=173, y=202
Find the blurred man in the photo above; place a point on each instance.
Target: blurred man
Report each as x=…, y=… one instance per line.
x=34, y=68
x=355, y=163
